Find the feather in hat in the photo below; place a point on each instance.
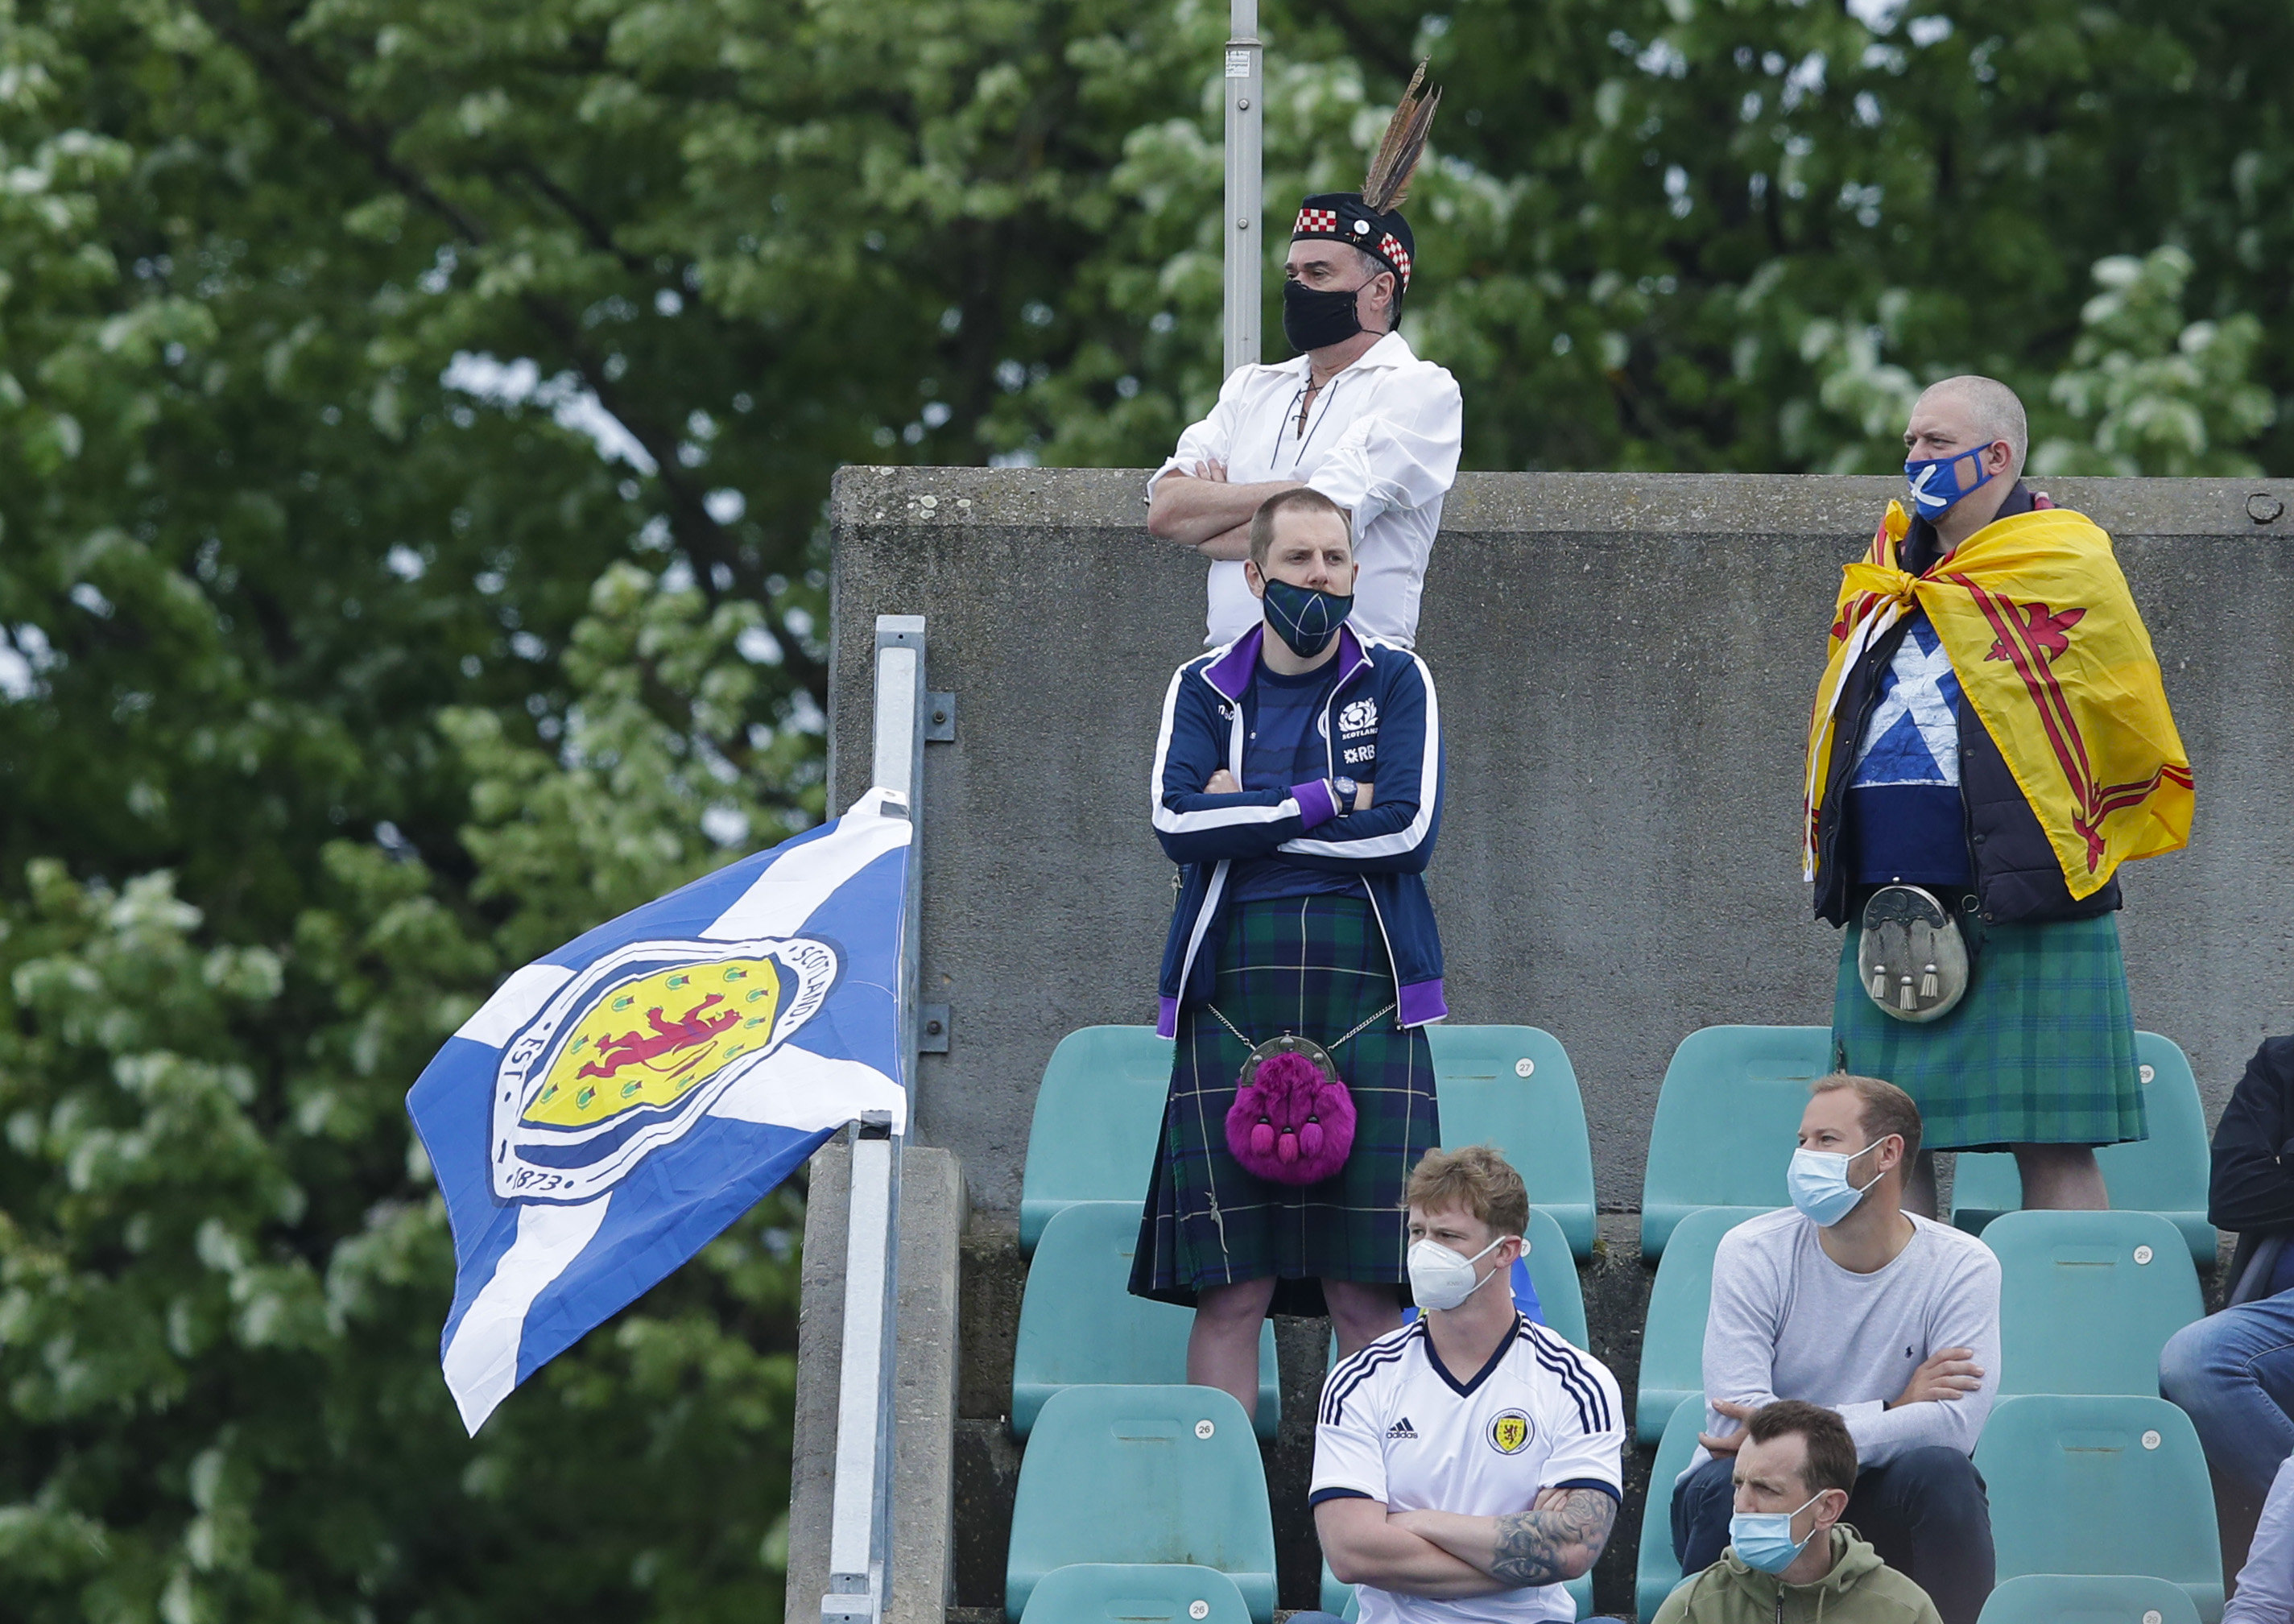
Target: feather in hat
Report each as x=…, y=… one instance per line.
x=1386, y=185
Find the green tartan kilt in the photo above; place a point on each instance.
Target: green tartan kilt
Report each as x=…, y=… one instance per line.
x=1316, y=966
x=2040, y=1051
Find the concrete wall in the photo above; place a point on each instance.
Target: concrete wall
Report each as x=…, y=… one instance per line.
x=1626, y=663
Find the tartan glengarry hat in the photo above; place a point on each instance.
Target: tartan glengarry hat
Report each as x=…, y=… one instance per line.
x=1342, y=216
x=1371, y=219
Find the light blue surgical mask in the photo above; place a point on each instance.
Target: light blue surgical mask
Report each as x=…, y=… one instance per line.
x=1818, y=1181
x=1939, y=482
x=1762, y=1540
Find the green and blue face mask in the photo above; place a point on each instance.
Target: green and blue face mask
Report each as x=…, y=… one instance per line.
x=1304, y=618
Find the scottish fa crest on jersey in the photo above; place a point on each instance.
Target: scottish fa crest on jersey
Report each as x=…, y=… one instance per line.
x=630, y=1055
x=1510, y=1432
x=1359, y=716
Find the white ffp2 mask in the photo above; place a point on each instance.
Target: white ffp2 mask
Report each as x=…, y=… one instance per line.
x=1439, y=1278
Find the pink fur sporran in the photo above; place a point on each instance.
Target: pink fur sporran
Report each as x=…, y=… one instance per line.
x=1292, y=1121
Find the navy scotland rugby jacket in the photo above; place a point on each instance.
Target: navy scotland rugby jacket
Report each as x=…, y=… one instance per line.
x=1382, y=724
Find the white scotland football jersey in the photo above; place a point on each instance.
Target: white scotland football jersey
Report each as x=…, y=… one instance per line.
x=1396, y=1426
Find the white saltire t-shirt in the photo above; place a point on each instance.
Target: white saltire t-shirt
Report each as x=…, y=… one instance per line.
x=1396, y=1428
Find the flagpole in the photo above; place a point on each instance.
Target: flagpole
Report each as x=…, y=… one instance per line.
x=860, y=1524
x=1243, y=84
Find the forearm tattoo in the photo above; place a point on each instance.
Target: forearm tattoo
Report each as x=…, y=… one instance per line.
x=1545, y=1547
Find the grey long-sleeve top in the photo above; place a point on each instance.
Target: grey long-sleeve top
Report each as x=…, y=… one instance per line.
x=1787, y=1322
x=2266, y=1584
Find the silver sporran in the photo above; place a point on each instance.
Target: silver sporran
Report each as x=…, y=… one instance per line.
x=1912, y=958
x=1289, y=1043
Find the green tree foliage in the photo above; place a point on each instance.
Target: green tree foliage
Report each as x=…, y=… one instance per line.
x=2150, y=393
x=222, y=1271
x=1661, y=231
x=415, y=421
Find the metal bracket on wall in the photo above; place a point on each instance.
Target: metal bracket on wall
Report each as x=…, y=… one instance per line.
x=933, y=1029
x=940, y=719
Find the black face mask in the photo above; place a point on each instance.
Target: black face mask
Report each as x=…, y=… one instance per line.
x=1313, y=320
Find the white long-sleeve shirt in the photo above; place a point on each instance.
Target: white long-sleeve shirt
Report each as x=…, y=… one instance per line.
x=1787, y=1322
x=1381, y=441
x=2266, y=1584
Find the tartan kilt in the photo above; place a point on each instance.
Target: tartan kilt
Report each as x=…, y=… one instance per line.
x=1316, y=966
x=2039, y=1052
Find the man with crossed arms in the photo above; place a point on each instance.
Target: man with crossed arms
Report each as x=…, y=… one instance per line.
x=1467, y=1466
x=1846, y=1300
x=1355, y=414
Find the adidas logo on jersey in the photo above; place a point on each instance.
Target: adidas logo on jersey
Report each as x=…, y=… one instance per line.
x=1402, y=1429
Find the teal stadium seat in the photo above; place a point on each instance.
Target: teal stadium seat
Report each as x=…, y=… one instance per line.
x=2063, y=1598
x=1142, y=1474
x=1673, y=1337
x=1135, y=1593
x=2165, y=1174
x=1553, y=1273
x=1727, y=1118
x=2102, y=1485
x=1097, y=1117
x=2088, y=1299
x=1536, y=1116
x=1659, y=1573
x=1080, y=1324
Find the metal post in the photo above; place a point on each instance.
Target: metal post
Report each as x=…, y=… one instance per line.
x=901, y=702
x=1246, y=231
x=860, y=1526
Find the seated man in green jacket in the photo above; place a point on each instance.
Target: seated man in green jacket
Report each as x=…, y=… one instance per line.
x=1790, y=1557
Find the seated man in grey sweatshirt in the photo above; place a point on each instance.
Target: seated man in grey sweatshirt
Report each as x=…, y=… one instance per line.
x=2266, y=1584
x=1848, y=1301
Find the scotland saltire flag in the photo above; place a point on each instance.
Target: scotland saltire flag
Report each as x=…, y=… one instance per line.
x=1913, y=737
x=616, y=1104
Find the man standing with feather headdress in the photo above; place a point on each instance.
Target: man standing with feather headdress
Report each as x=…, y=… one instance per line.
x=1355, y=414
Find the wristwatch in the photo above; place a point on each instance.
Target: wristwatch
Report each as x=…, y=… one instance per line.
x=1346, y=789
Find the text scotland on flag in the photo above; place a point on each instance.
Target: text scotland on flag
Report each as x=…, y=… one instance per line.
x=615, y=1104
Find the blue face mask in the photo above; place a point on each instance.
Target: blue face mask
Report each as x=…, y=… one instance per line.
x=1305, y=619
x=1818, y=1181
x=1937, y=483
x=1762, y=1540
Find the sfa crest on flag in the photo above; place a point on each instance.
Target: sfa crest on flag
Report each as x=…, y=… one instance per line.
x=614, y=1105
x=592, y=1086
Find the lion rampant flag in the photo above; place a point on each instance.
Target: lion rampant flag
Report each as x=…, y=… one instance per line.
x=2044, y=639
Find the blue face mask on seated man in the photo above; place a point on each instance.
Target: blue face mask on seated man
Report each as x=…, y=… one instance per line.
x=1939, y=482
x=1817, y=1181
x=1304, y=618
x=1762, y=1540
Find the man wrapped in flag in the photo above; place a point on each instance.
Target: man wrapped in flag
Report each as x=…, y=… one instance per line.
x=1990, y=740
x=617, y=1103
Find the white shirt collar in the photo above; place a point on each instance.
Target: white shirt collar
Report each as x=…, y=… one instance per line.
x=1391, y=349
